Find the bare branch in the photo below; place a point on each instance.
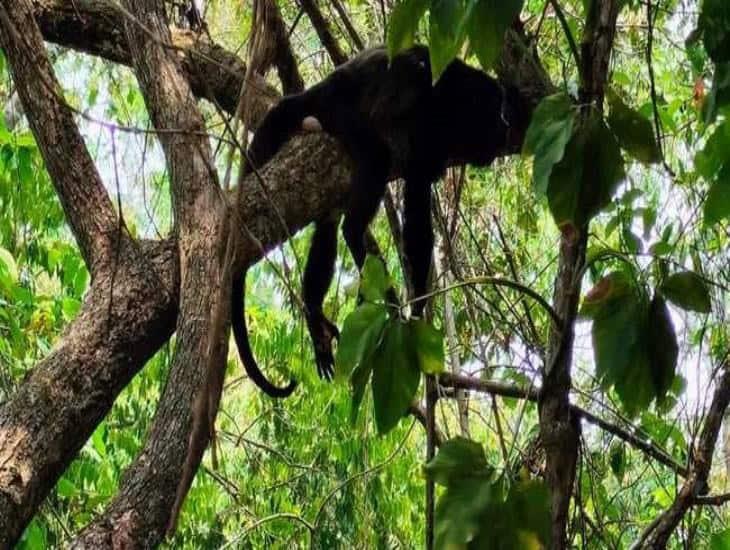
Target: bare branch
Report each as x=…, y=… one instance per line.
x=508, y=390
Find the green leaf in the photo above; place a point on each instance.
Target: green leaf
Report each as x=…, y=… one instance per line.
x=714, y=21
x=374, y=280
x=634, y=131
x=550, y=130
x=359, y=382
x=663, y=348
x=456, y=459
x=97, y=440
x=429, y=344
x=395, y=375
x=488, y=21
x=446, y=32
x=360, y=336
x=6, y=259
x=607, y=292
x=717, y=204
x=34, y=537
x=617, y=460
x=720, y=540
x=403, y=24
x=715, y=154
x=687, y=290
x=460, y=509
x=584, y=181
x=66, y=489
x=620, y=351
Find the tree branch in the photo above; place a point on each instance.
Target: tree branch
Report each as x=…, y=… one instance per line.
x=508, y=390
x=695, y=485
x=142, y=506
x=86, y=204
x=559, y=429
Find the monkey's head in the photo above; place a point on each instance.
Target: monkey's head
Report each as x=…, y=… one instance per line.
x=478, y=118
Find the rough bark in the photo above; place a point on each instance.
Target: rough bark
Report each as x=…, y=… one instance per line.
x=141, y=508
x=559, y=428
x=58, y=406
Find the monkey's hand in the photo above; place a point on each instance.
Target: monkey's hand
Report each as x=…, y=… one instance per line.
x=322, y=332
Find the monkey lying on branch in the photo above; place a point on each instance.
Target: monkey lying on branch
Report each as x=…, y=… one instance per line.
x=389, y=118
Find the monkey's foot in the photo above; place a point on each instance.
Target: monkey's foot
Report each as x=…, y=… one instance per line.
x=322, y=332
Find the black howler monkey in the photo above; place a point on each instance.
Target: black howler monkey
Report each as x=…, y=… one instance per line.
x=389, y=118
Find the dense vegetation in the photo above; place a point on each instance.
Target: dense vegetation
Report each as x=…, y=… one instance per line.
x=621, y=197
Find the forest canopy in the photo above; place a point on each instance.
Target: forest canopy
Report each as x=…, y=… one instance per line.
x=567, y=384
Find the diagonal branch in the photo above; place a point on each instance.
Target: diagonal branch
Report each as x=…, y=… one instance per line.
x=661, y=529
x=508, y=390
x=142, y=505
x=86, y=204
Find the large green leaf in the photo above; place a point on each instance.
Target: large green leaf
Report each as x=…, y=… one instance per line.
x=403, y=24
x=634, y=131
x=606, y=295
x=687, y=290
x=460, y=510
x=457, y=458
x=720, y=540
x=374, y=280
x=488, y=21
x=360, y=336
x=550, y=130
x=477, y=510
x=717, y=203
x=715, y=154
x=447, y=33
x=663, y=348
x=429, y=343
x=620, y=342
x=584, y=181
x=395, y=375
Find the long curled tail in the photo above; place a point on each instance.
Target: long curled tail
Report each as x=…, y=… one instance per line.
x=240, y=333
x=280, y=124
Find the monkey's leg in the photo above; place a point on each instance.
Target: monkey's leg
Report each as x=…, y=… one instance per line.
x=366, y=192
x=318, y=275
x=371, y=160
x=418, y=236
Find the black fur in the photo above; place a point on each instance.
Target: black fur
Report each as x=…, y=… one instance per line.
x=390, y=119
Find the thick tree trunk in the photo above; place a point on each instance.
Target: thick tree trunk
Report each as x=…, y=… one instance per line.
x=60, y=403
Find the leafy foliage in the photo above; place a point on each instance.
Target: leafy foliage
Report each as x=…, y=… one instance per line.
x=635, y=346
x=376, y=341
x=479, y=509
x=451, y=22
